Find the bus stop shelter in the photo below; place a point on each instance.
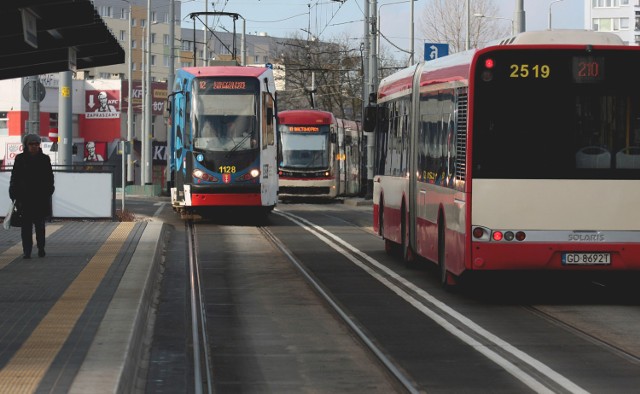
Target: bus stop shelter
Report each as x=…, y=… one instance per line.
x=48, y=36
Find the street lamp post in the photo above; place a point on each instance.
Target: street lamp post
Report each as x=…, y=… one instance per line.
x=379, y=26
x=146, y=133
x=550, y=4
x=513, y=29
x=130, y=175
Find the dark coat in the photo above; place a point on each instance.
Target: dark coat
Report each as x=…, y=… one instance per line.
x=31, y=184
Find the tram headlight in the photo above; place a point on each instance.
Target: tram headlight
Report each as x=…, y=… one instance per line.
x=254, y=173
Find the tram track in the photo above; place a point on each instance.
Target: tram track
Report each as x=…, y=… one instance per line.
x=201, y=359
x=268, y=327
x=530, y=371
x=586, y=335
x=392, y=368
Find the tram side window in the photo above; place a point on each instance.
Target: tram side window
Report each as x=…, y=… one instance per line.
x=187, y=122
x=268, y=135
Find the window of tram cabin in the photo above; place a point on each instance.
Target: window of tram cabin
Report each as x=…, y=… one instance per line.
x=557, y=114
x=268, y=128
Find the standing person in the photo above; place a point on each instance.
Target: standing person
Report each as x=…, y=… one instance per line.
x=31, y=186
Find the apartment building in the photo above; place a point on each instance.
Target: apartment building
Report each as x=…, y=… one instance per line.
x=621, y=17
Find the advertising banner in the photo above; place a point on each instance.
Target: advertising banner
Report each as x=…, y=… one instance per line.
x=102, y=104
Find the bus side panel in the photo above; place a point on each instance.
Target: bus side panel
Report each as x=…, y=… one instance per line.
x=431, y=200
x=392, y=190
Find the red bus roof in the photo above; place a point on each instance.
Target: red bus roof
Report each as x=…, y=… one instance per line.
x=457, y=67
x=305, y=116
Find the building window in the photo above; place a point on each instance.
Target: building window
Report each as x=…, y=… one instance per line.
x=106, y=11
x=608, y=3
x=166, y=39
x=153, y=38
x=123, y=13
x=134, y=22
x=624, y=23
x=134, y=44
x=610, y=24
x=166, y=60
x=143, y=22
x=123, y=35
x=153, y=60
x=154, y=15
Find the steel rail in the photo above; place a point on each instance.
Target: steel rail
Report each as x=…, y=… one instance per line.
x=393, y=369
x=198, y=315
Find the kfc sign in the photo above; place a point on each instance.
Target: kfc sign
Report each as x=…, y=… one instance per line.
x=102, y=104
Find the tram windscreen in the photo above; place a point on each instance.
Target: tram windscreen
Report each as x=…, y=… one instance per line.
x=557, y=114
x=304, y=150
x=224, y=119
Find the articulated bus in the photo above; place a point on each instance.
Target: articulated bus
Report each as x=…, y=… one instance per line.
x=320, y=155
x=223, y=125
x=522, y=155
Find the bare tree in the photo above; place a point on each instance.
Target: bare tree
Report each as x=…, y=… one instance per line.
x=334, y=67
x=444, y=21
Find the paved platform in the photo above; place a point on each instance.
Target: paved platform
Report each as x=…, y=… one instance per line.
x=73, y=321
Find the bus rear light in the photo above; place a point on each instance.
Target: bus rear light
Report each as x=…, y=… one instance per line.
x=488, y=63
x=478, y=232
x=520, y=235
x=497, y=235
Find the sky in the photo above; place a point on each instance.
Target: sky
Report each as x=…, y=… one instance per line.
x=328, y=19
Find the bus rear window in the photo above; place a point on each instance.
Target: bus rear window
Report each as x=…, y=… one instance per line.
x=557, y=114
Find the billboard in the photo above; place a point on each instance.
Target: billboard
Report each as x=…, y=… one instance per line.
x=102, y=104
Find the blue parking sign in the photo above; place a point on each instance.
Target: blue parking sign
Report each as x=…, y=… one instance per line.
x=433, y=50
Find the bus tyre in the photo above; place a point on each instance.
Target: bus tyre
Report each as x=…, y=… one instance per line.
x=389, y=247
x=407, y=252
x=447, y=280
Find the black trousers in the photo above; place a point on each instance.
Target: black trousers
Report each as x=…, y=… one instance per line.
x=28, y=223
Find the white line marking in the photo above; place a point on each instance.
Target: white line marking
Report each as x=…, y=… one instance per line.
x=511, y=368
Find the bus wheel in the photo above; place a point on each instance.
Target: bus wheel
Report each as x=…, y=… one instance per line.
x=389, y=247
x=407, y=252
x=447, y=280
